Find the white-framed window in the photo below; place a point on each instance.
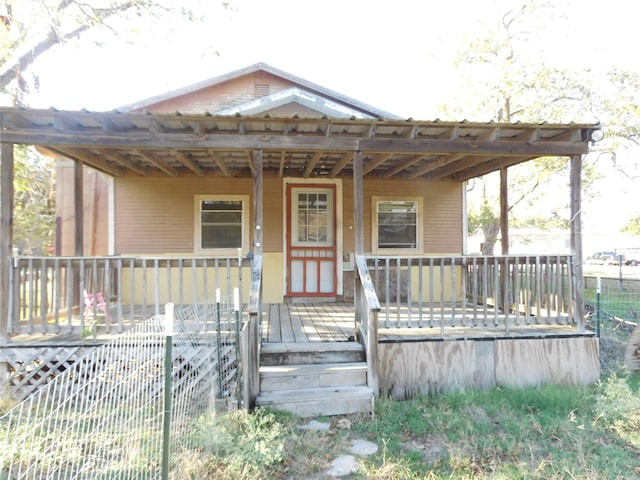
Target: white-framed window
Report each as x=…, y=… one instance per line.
x=221, y=224
x=397, y=225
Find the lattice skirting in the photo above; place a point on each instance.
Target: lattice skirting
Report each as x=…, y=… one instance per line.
x=29, y=368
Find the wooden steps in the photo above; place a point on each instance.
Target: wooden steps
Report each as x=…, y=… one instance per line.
x=314, y=378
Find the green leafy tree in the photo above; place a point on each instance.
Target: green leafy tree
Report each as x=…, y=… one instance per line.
x=34, y=206
x=632, y=225
x=28, y=30
x=506, y=79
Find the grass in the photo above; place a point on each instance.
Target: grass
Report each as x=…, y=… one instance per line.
x=537, y=433
x=551, y=432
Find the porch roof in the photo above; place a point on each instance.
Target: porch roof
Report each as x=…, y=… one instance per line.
x=146, y=144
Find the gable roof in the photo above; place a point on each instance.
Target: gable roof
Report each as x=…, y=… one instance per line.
x=360, y=109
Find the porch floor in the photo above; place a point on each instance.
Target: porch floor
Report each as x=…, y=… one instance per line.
x=334, y=322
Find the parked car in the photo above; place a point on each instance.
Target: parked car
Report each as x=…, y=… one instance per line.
x=605, y=258
x=632, y=261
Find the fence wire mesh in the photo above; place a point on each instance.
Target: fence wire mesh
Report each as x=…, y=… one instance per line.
x=105, y=417
x=613, y=308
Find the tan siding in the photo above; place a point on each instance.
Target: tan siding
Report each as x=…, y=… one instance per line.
x=442, y=216
x=228, y=94
x=156, y=215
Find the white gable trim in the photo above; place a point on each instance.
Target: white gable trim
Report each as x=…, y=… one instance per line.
x=295, y=95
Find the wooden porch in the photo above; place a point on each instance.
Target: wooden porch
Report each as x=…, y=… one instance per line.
x=334, y=322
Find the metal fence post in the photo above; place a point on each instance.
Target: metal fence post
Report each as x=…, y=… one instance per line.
x=168, y=364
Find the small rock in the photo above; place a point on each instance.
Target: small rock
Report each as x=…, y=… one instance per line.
x=343, y=465
x=315, y=425
x=363, y=448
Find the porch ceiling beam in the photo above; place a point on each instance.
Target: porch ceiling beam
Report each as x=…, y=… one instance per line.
x=376, y=161
x=182, y=141
x=190, y=164
x=149, y=140
x=499, y=147
x=403, y=166
x=82, y=156
x=343, y=162
x=157, y=163
x=434, y=165
x=124, y=161
x=312, y=163
x=484, y=168
x=219, y=162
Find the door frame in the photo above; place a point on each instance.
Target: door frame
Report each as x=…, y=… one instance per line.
x=338, y=220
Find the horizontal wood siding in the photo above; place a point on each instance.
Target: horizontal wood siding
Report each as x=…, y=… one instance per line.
x=156, y=215
x=228, y=94
x=442, y=215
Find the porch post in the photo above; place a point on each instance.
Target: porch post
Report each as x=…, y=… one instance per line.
x=6, y=241
x=504, y=211
x=576, y=241
x=257, y=201
x=78, y=200
x=504, y=238
x=358, y=203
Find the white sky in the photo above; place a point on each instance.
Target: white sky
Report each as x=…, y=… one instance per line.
x=394, y=55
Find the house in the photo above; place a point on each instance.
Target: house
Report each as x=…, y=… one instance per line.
x=348, y=211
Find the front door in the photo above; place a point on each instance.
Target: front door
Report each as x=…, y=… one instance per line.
x=311, y=240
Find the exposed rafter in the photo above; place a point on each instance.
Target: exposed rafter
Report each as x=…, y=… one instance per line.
x=343, y=162
x=219, y=162
x=190, y=164
x=125, y=161
x=312, y=163
x=434, y=165
x=376, y=161
x=157, y=163
x=149, y=144
x=84, y=157
x=402, y=166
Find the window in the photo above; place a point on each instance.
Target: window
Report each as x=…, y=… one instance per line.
x=397, y=226
x=222, y=223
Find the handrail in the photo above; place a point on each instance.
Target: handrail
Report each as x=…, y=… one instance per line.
x=251, y=337
x=367, y=307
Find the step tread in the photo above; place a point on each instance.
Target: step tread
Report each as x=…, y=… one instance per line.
x=302, y=347
x=313, y=395
x=311, y=369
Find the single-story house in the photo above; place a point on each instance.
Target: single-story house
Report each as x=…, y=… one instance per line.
x=340, y=214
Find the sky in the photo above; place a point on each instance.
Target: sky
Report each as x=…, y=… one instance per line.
x=396, y=56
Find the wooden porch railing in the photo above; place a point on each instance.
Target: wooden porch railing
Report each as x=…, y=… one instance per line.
x=367, y=307
x=250, y=337
x=76, y=295
x=489, y=291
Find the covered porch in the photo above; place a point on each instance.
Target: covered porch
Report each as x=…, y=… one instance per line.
x=439, y=298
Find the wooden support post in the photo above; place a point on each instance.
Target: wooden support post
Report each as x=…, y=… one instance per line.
x=78, y=199
x=504, y=211
x=257, y=201
x=504, y=240
x=6, y=240
x=576, y=241
x=358, y=203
